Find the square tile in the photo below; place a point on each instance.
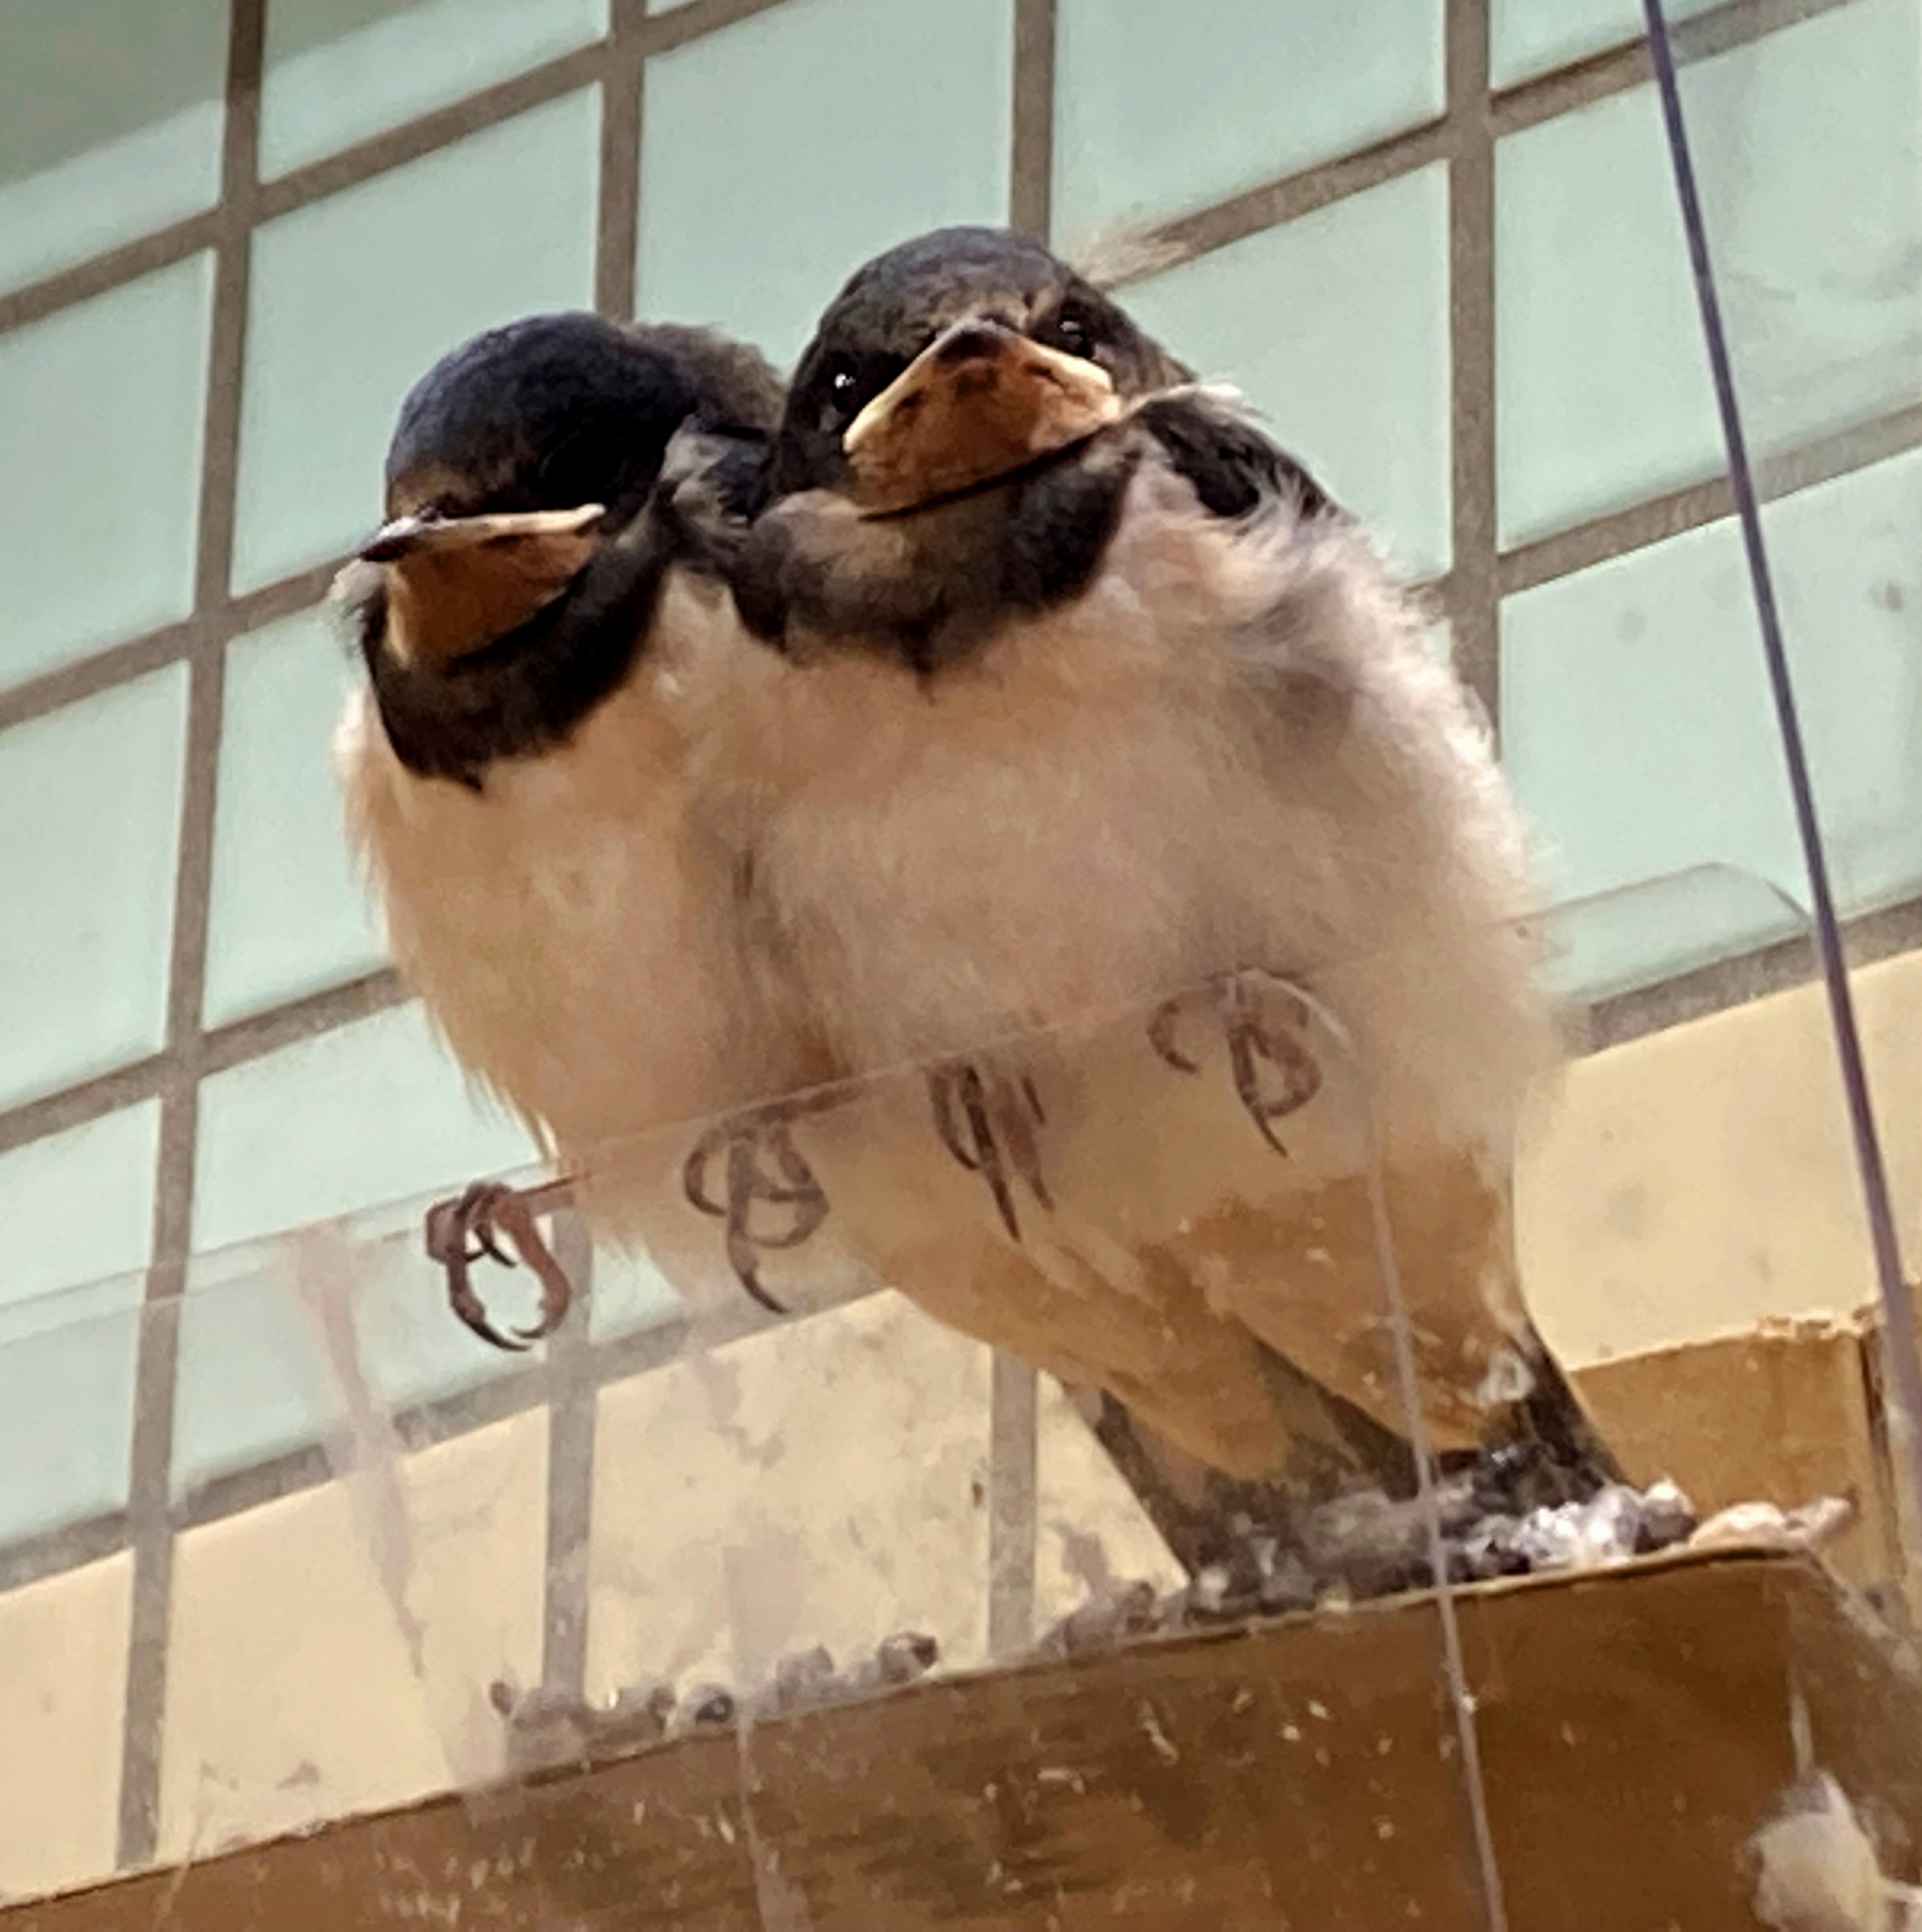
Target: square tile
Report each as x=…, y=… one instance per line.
x=68, y=1367
x=1687, y=771
x=290, y=913
x=339, y=71
x=253, y=1380
x=1161, y=108
x=1638, y=729
x=370, y=1116
x=97, y=530
x=78, y=1208
x=355, y=296
x=110, y=120
x=1629, y=936
x=306, y=1340
x=83, y=957
x=1808, y=145
x=778, y=153
x=1603, y=395
x=1699, y=1180
x=1848, y=578
x=1336, y=325
x=365, y=1115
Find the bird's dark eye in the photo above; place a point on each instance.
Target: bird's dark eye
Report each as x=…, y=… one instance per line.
x=1070, y=332
x=841, y=383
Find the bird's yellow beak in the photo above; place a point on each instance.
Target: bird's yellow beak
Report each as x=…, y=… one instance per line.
x=456, y=583
x=979, y=403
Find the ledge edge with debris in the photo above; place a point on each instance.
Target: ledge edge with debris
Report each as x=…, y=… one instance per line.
x=1639, y=1727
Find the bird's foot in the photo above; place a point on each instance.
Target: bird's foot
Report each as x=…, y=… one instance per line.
x=464, y=1230
x=760, y=1167
x=1113, y=1613
x=1615, y=1522
x=1262, y=1577
x=1375, y=1547
x=1263, y=1021
x=807, y=1680
x=546, y=1729
x=1365, y=1544
x=989, y=1127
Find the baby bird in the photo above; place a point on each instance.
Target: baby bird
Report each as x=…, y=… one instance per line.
x=540, y=616
x=1109, y=722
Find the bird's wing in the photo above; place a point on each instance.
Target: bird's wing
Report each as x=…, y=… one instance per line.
x=1365, y=849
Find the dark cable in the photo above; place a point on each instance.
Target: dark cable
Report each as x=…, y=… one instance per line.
x=1898, y=1339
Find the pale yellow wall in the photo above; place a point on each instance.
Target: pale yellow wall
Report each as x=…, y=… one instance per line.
x=825, y=1482
x=294, y=1692
x=1698, y=1179
x=63, y=1652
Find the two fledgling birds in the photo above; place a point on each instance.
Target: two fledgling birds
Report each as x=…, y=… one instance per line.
x=998, y=679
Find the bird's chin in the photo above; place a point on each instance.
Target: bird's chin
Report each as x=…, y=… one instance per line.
x=939, y=494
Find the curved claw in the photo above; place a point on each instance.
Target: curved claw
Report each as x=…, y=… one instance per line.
x=802, y=1192
x=960, y=1084
x=1161, y=1023
x=484, y=1245
x=467, y=1305
x=1252, y=1043
x=461, y=1232
x=514, y=1215
x=747, y=1271
x=745, y=1138
x=746, y=1184
x=445, y=1236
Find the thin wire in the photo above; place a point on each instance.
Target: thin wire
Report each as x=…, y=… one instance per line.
x=1402, y=1327
x=1461, y=1698
x=1898, y=1338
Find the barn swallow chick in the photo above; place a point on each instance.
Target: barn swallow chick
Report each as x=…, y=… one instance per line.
x=536, y=614
x=1108, y=708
